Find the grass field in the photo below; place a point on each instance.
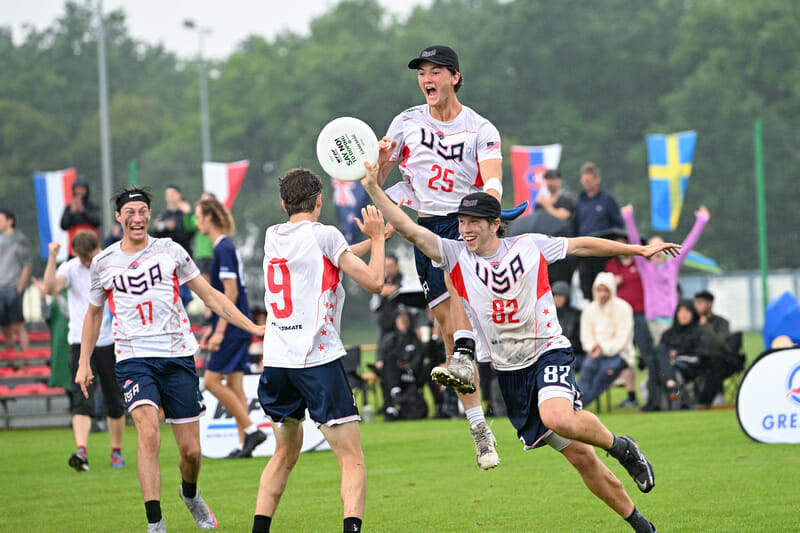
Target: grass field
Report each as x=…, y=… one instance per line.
x=422, y=477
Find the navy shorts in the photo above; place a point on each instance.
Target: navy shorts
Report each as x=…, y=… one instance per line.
x=430, y=277
x=167, y=382
x=233, y=356
x=10, y=307
x=323, y=390
x=552, y=376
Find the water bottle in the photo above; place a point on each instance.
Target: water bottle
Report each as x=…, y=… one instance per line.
x=368, y=414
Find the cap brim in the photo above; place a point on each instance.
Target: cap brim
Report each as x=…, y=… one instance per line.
x=417, y=61
x=471, y=213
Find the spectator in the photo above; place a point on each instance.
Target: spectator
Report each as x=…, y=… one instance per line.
x=719, y=358
x=570, y=319
x=73, y=275
x=445, y=399
x=629, y=288
x=169, y=223
x=114, y=234
x=203, y=247
x=15, y=270
x=81, y=213
x=596, y=212
x=382, y=302
x=402, y=371
x=660, y=275
x=607, y=337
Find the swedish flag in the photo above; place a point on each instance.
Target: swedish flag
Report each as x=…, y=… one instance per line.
x=670, y=165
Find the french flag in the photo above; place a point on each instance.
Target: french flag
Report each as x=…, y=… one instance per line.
x=53, y=192
x=528, y=165
x=224, y=180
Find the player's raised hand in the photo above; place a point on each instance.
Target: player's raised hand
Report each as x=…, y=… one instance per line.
x=371, y=223
x=84, y=378
x=53, y=248
x=668, y=248
x=386, y=147
x=370, y=179
x=703, y=210
x=626, y=209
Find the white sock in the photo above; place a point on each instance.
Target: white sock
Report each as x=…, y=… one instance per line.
x=464, y=334
x=475, y=416
x=252, y=428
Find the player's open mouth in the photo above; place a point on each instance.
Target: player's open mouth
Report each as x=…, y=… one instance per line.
x=430, y=91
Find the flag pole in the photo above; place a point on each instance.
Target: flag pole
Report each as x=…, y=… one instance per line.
x=761, y=210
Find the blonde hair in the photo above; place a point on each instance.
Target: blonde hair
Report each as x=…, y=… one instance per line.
x=220, y=216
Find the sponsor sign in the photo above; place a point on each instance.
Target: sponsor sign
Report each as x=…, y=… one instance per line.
x=219, y=436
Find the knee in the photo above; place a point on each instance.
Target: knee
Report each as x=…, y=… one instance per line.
x=559, y=422
x=190, y=452
x=285, y=457
x=581, y=456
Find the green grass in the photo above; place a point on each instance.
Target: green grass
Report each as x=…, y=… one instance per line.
x=422, y=477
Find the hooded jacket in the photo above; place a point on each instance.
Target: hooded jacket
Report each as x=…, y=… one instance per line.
x=90, y=216
x=609, y=326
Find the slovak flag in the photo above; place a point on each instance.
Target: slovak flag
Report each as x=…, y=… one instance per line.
x=528, y=165
x=224, y=180
x=53, y=191
x=349, y=197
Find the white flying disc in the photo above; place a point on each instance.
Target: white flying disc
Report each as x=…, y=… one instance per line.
x=342, y=147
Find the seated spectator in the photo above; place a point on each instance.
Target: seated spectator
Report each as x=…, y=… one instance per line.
x=570, y=319
x=402, y=372
x=445, y=399
x=607, y=337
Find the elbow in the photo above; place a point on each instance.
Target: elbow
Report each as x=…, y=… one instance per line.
x=375, y=287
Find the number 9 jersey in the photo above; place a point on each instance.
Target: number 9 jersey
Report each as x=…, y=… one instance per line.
x=304, y=295
x=142, y=291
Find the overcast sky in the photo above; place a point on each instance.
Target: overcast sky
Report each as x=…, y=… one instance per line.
x=161, y=21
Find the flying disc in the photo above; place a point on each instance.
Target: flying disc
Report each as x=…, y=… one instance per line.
x=342, y=147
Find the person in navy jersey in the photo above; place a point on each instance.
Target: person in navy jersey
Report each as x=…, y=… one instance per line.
x=228, y=345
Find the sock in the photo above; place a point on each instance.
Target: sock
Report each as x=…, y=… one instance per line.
x=252, y=428
x=464, y=342
x=475, y=416
x=118, y=450
x=638, y=522
x=352, y=524
x=261, y=523
x=618, y=449
x=632, y=395
x=189, y=489
x=82, y=451
x=153, y=510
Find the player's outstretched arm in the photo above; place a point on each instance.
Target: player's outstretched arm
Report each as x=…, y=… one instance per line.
x=91, y=330
x=220, y=304
x=52, y=282
x=370, y=276
x=422, y=238
x=595, y=247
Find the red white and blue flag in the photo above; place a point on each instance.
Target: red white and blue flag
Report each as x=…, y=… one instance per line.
x=349, y=197
x=53, y=191
x=528, y=165
x=224, y=180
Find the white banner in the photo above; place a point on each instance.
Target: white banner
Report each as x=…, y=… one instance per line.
x=219, y=436
x=768, y=404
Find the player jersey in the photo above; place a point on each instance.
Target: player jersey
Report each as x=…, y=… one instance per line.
x=439, y=160
x=304, y=295
x=142, y=292
x=507, y=296
x=226, y=263
x=76, y=282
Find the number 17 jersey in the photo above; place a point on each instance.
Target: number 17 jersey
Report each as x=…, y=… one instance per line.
x=304, y=295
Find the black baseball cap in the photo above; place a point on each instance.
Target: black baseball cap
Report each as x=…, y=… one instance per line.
x=479, y=204
x=439, y=54
x=552, y=173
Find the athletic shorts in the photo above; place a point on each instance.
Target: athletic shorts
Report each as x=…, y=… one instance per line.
x=167, y=382
x=551, y=376
x=233, y=356
x=10, y=307
x=286, y=393
x=430, y=277
x=102, y=363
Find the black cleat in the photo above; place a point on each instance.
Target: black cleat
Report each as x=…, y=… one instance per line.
x=251, y=441
x=637, y=465
x=79, y=462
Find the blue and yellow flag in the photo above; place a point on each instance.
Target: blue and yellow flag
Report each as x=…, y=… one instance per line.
x=670, y=165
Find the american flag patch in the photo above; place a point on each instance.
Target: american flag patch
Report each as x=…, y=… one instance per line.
x=492, y=144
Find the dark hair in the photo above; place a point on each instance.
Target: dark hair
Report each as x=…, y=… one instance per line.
x=120, y=198
x=392, y=257
x=704, y=295
x=460, y=81
x=173, y=186
x=502, y=229
x=299, y=190
x=9, y=215
x=552, y=173
x=220, y=216
x=85, y=242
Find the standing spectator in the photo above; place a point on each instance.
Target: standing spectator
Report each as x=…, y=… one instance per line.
x=570, y=319
x=303, y=265
x=155, y=348
x=81, y=213
x=607, y=336
x=15, y=270
x=169, y=223
x=660, y=275
x=630, y=289
x=229, y=356
x=73, y=275
x=596, y=212
x=382, y=302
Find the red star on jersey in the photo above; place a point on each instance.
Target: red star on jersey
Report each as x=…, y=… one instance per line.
x=323, y=332
x=546, y=311
x=548, y=344
x=408, y=202
x=321, y=347
x=183, y=346
x=548, y=325
x=119, y=351
x=185, y=320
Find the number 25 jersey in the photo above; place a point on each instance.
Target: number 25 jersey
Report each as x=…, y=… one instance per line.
x=142, y=291
x=304, y=295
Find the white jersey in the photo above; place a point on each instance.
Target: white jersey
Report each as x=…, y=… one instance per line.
x=440, y=160
x=142, y=292
x=507, y=296
x=304, y=295
x=76, y=277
